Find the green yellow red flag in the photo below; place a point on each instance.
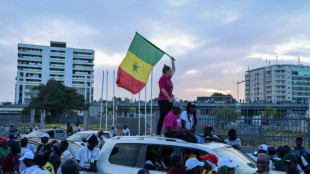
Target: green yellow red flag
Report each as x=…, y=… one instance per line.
x=134, y=71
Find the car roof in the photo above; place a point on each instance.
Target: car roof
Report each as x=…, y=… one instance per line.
x=91, y=132
x=43, y=130
x=165, y=141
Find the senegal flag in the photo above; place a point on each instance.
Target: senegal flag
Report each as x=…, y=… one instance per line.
x=134, y=71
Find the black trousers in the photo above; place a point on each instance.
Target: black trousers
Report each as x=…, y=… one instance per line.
x=182, y=136
x=164, y=108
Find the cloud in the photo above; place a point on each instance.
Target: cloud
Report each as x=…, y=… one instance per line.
x=108, y=59
x=190, y=72
x=178, y=2
x=207, y=90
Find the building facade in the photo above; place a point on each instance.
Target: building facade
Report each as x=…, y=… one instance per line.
x=37, y=64
x=278, y=83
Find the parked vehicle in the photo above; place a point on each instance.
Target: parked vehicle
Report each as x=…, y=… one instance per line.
x=115, y=154
x=53, y=133
x=81, y=138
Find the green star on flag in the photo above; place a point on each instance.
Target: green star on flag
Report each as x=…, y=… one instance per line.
x=135, y=67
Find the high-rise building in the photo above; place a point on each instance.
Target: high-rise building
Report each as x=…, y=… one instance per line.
x=37, y=64
x=277, y=83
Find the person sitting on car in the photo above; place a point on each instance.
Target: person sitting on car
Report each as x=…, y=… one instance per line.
x=101, y=139
x=154, y=162
x=87, y=156
x=172, y=125
x=207, y=130
x=113, y=131
x=232, y=139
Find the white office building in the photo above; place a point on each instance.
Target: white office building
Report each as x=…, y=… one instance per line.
x=278, y=83
x=37, y=64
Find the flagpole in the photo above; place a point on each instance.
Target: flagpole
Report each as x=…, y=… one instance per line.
x=113, y=94
x=155, y=46
x=145, y=111
x=151, y=116
x=139, y=113
x=101, y=99
x=106, y=104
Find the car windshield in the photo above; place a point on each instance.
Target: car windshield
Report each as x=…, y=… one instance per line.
x=35, y=134
x=77, y=137
x=73, y=148
x=245, y=163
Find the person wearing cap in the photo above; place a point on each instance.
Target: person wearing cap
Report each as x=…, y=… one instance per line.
x=210, y=163
x=165, y=97
x=207, y=134
x=70, y=166
x=232, y=139
x=126, y=131
x=10, y=163
x=113, y=131
x=101, y=140
x=262, y=163
x=176, y=166
x=290, y=161
x=45, y=148
x=23, y=145
x=4, y=149
x=172, y=125
x=263, y=149
x=226, y=166
x=193, y=166
x=87, y=156
x=299, y=150
x=279, y=164
x=28, y=160
x=143, y=171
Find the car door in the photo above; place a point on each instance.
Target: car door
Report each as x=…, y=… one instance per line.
x=143, y=155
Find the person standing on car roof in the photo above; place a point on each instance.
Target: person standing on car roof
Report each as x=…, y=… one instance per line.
x=165, y=97
x=87, y=156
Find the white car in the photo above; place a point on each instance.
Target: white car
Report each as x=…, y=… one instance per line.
x=128, y=154
x=81, y=137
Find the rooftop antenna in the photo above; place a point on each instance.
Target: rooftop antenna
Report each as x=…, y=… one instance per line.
x=269, y=62
x=299, y=60
x=276, y=59
x=266, y=62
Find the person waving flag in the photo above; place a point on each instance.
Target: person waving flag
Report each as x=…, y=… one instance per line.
x=134, y=71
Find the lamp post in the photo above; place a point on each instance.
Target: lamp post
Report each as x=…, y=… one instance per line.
x=238, y=89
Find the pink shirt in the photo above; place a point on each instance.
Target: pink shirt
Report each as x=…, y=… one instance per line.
x=173, y=121
x=166, y=83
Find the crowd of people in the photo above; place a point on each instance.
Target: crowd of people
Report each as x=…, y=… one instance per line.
x=49, y=158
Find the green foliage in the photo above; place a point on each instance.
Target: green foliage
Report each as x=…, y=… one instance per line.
x=224, y=114
x=56, y=99
x=269, y=111
x=220, y=94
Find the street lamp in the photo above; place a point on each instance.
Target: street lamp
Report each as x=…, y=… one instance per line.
x=238, y=89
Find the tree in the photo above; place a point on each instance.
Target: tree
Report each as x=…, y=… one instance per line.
x=220, y=94
x=269, y=111
x=56, y=99
x=126, y=100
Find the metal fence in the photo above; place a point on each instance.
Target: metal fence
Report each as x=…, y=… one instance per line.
x=274, y=126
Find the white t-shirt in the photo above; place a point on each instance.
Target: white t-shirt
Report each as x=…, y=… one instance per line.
x=126, y=132
x=85, y=156
x=64, y=156
x=188, y=123
x=30, y=170
x=22, y=166
x=234, y=142
x=40, y=171
x=31, y=147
